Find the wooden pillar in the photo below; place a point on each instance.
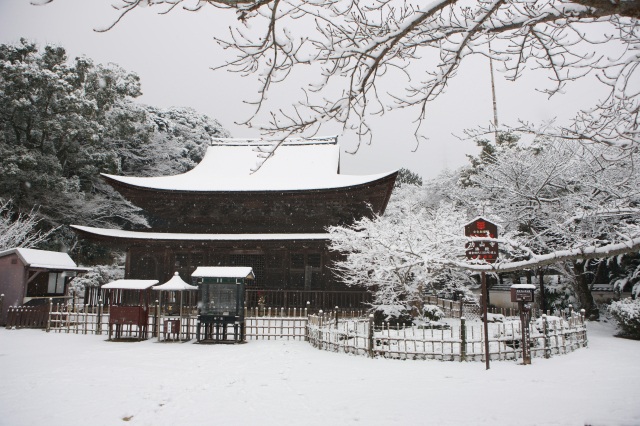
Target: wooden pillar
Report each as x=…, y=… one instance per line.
x=127, y=263
x=486, y=325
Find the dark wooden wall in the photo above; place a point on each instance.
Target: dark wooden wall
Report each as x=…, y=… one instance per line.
x=301, y=265
x=259, y=212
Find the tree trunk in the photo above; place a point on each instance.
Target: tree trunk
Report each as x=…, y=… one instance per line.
x=543, y=298
x=583, y=292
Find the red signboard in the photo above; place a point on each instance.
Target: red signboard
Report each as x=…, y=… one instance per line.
x=481, y=250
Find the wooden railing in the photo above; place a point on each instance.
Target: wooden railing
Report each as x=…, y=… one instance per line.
x=456, y=341
x=311, y=299
x=27, y=316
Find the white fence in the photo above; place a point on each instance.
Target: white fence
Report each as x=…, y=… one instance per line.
x=457, y=341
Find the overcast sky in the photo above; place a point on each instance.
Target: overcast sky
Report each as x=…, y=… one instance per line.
x=173, y=55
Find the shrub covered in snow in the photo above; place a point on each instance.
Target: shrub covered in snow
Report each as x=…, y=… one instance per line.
x=400, y=315
x=97, y=277
x=392, y=314
x=627, y=313
x=432, y=313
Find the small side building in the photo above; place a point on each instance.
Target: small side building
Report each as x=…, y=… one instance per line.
x=30, y=276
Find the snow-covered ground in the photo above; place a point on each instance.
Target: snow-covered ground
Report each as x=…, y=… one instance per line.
x=67, y=379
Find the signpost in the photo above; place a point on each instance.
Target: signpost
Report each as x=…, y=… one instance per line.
x=487, y=251
x=481, y=250
x=523, y=295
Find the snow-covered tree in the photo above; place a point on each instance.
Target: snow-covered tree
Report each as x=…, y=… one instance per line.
x=62, y=123
x=19, y=229
x=558, y=203
x=402, y=255
x=350, y=50
x=626, y=273
x=179, y=140
x=407, y=177
x=53, y=120
x=97, y=277
x=555, y=199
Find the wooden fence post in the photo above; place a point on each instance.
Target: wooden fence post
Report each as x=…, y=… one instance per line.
x=49, y=316
x=463, y=339
x=584, y=329
x=320, y=324
x=370, y=338
x=156, y=322
x=99, y=317
x=86, y=317
x=545, y=328
x=68, y=322
x=306, y=328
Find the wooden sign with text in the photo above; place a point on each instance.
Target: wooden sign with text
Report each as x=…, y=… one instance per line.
x=481, y=250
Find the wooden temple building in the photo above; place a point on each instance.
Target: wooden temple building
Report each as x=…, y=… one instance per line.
x=223, y=213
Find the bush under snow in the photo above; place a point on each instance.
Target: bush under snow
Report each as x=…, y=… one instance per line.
x=627, y=313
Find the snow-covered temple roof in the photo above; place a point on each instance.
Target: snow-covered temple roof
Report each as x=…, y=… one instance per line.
x=130, y=284
x=229, y=164
x=223, y=272
x=169, y=236
x=44, y=259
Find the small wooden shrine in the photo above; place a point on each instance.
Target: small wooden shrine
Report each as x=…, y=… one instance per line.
x=129, y=304
x=221, y=293
x=175, y=302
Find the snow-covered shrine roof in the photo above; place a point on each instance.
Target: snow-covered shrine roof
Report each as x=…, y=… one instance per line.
x=175, y=284
x=170, y=236
x=130, y=284
x=223, y=272
x=44, y=259
x=524, y=286
x=229, y=164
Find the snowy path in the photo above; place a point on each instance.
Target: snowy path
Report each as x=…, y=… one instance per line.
x=66, y=379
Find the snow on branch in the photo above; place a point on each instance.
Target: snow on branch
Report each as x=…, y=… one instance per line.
x=582, y=253
x=349, y=51
x=19, y=229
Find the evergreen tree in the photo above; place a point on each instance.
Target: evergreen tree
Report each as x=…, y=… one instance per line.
x=406, y=176
x=62, y=123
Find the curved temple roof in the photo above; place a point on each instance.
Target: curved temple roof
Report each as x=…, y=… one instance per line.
x=229, y=163
x=166, y=236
